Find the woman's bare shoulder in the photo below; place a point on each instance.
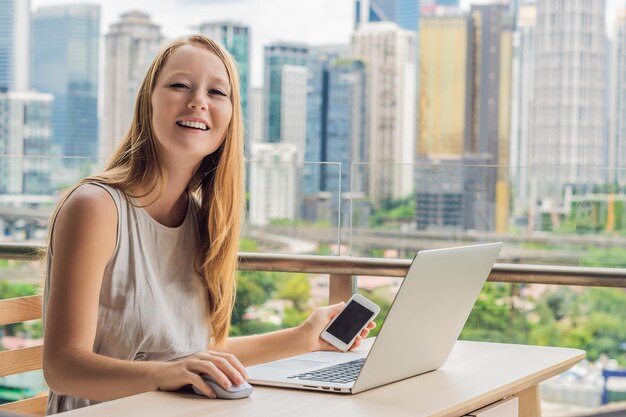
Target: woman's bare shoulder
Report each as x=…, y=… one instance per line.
x=91, y=199
x=89, y=213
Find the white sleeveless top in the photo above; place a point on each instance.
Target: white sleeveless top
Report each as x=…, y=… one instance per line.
x=152, y=304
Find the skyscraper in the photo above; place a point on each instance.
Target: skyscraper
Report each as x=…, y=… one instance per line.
x=403, y=12
x=487, y=141
x=464, y=117
x=335, y=117
x=521, y=105
x=131, y=44
x=235, y=37
x=273, y=182
x=65, y=64
x=14, y=45
x=445, y=60
x=255, y=115
x=389, y=54
x=568, y=125
x=25, y=135
x=277, y=56
x=618, y=101
x=293, y=107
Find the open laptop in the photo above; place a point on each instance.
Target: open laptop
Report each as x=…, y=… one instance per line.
x=421, y=328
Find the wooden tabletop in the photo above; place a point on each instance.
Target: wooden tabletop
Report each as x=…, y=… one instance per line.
x=475, y=375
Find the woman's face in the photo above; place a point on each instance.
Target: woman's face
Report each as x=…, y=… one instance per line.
x=191, y=105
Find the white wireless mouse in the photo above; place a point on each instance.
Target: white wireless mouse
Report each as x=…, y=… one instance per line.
x=233, y=393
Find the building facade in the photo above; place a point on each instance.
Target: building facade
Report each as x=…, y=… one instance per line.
x=277, y=56
x=521, y=109
x=389, y=55
x=131, y=44
x=445, y=53
x=617, y=136
x=255, y=116
x=65, y=64
x=273, y=183
x=336, y=130
x=487, y=140
x=25, y=139
x=567, y=142
x=14, y=45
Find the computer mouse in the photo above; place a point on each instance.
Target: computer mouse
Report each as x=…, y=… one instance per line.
x=233, y=393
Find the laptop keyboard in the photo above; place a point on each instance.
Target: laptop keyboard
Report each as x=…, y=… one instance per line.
x=341, y=374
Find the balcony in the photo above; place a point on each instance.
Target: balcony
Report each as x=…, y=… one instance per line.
x=560, y=251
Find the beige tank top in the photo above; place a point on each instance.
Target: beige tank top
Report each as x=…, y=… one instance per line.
x=152, y=306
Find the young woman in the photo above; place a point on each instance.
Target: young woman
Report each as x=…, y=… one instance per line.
x=142, y=258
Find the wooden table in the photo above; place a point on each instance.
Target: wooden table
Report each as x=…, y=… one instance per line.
x=475, y=375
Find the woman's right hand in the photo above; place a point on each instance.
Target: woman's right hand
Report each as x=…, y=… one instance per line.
x=224, y=368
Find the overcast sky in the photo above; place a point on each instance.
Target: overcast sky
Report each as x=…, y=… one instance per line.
x=314, y=22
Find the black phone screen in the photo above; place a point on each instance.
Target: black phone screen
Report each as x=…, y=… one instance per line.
x=351, y=319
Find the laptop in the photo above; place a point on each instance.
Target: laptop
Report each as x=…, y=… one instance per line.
x=421, y=328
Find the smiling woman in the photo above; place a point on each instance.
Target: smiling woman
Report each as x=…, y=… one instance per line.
x=140, y=280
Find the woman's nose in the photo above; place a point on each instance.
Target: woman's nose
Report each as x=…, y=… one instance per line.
x=197, y=102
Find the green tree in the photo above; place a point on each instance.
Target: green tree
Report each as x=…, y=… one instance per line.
x=494, y=317
x=296, y=288
x=253, y=288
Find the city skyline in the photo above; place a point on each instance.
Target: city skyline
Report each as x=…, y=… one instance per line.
x=290, y=21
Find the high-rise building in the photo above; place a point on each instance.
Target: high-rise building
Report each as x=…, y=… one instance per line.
x=389, y=55
x=521, y=106
x=487, y=141
x=617, y=137
x=445, y=63
x=335, y=119
x=25, y=135
x=277, y=56
x=567, y=139
x=255, y=116
x=65, y=64
x=403, y=12
x=131, y=44
x=14, y=45
x=293, y=107
x=273, y=182
x=465, y=82
x=235, y=37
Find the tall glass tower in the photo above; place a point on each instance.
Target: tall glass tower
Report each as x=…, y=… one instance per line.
x=335, y=117
x=14, y=44
x=281, y=59
x=235, y=38
x=65, y=64
x=403, y=12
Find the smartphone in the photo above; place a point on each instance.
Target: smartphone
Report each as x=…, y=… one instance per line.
x=347, y=325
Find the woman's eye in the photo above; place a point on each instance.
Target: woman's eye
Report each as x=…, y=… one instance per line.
x=218, y=92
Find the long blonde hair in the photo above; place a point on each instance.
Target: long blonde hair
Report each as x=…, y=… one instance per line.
x=217, y=184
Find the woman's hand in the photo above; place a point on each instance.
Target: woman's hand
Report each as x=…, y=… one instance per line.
x=224, y=368
x=318, y=320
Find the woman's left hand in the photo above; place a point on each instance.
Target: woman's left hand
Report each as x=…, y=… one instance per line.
x=318, y=320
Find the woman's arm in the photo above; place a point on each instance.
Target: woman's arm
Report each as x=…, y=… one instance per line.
x=289, y=342
x=83, y=242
